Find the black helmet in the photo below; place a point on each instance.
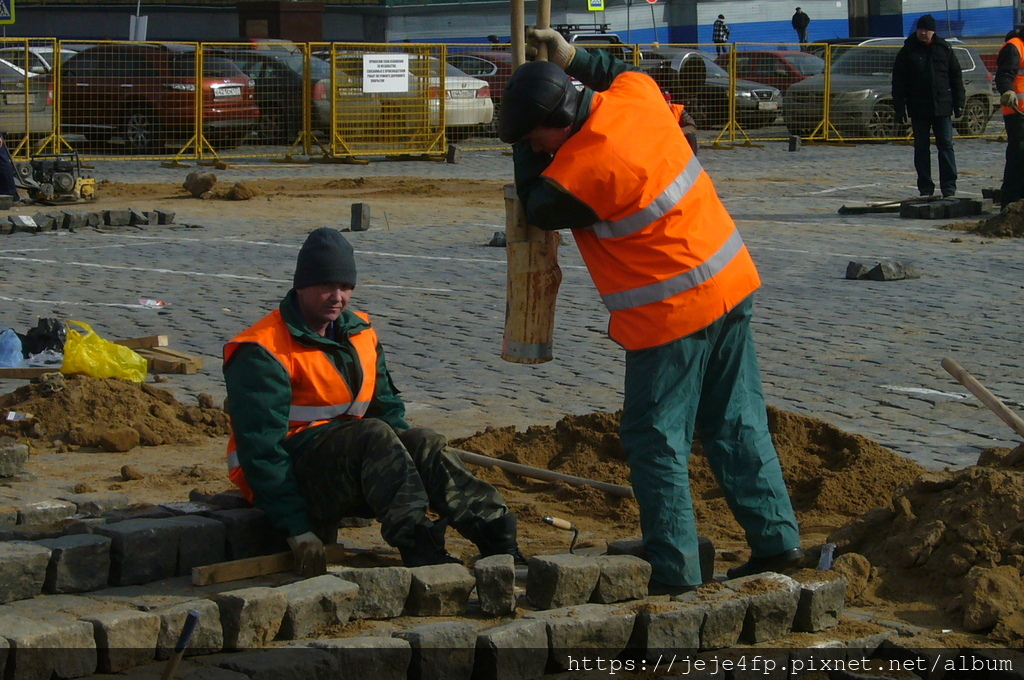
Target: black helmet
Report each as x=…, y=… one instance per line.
x=538, y=93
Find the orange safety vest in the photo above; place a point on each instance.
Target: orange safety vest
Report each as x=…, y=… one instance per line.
x=319, y=393
x=665, y=255
x=1018, y=81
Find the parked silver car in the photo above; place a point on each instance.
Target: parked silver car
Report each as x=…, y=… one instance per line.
x=861, y=93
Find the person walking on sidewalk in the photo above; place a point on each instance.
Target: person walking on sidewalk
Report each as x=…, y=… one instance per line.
x=800, y=22
x=720, y=35
x=678, y=281
x=318, y=431
x=1010, y=83
x=927, y=84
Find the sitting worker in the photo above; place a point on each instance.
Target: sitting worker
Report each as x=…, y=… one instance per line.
x=612, y=163
x=319, y=431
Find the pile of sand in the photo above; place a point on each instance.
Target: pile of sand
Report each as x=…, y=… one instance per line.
x=958, y=534
x=112, y=414
x=1004, y=225
x=833, y=476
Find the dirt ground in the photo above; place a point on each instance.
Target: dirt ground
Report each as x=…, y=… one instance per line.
x=942, y=550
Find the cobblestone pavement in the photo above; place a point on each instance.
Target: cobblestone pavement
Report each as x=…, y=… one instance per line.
x=861, y=355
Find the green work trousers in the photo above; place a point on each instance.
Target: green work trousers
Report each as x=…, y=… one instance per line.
x=709, y=384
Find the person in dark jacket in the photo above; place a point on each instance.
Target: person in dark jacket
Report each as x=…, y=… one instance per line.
x=318, y=431
x=800, y=22
x=720, y=34
x=1010, y=83
x=927, y=84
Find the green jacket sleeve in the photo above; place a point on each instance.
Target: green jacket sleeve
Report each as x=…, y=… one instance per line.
x=259, y=400
x=386, y=404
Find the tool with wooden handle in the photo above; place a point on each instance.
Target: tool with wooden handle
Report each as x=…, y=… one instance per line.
x=565, y=525
x=533, y=273
x=542, y=474
x=994, y=403
x=179, y=648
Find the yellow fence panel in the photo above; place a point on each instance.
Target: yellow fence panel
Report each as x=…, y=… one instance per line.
x=27, y=93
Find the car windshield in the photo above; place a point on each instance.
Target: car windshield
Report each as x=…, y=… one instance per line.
x=184, y=66
x=865, y=61
x=714, y=70
x=805, y=64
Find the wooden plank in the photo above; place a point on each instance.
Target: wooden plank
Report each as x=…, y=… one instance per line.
x=142, y=343
x=162, y=364
x=175, y=354
x=251, y=567
x=26, y=373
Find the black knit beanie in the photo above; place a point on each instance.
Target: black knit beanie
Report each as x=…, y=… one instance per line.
x=325, y=257
x=927, y=22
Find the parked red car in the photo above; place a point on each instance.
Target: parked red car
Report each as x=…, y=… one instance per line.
x=140, y=96
x=778, y=68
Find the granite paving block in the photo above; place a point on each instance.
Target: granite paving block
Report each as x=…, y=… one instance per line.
x=556, y=581
x=667, y=628
x=45, y=512
x=142, y=550
x=439, y=590
x=596, y=627
x=8, y=517
x=724, y=614
x=164, y=216
x=316, y=604
x=124, y=639
x=249, y=533
x=284, y=664
x=207, y=638
x=623, y=577
x=382, y=590
x=12, y=458
x=98, y=502
x=772, y=601
x=822, y=599
x=369, y=657
x=73, y=220
x=202, y=542
x=495, y=584
x=44, y=649
x=78, y=563
x=250, y=617
x=22, y=570
x=441, y=651
x=512, y=651
x=117, y=218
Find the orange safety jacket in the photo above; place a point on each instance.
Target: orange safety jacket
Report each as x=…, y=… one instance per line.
x=665, y=255
x=1018, y=81
x=319, y=392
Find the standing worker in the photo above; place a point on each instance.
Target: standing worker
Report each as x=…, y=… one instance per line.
x=800, y=22
x=318, y=431
x=927, y=84
x=720, y=34
x=673, y=271
x=1010, y=83
x=8, y=184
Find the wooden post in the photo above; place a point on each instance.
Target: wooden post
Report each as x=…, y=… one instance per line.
x=533, y=272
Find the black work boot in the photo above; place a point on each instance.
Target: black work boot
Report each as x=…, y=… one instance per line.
x=498, y=537
x=428, y=547
x=786, y=559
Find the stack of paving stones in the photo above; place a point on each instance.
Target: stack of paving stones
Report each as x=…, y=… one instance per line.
x=87, y=585
x=943, y=208
x=73, y=220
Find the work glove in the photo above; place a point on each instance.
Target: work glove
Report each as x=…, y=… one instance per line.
x=958, y=112
x=1008, y=98
x=308, y=551
x=560, y=52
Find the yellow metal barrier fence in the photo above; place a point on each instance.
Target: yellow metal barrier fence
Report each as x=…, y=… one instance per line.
x=27, y=117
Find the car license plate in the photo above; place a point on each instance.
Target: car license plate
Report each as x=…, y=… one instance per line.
x=463, y=94
x=17, y=99
x=227, y=92
x=768, y=106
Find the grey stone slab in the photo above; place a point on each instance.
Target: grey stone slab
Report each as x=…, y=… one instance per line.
x=78, y=562
x=165, y=216
x=623, y=577
x=12, y=458
x=22, y=570
x=441, y=651
x=369, y=657
x=556, y=581
x=573, y=630
x=724, y=614
x=316, y=604
x=74, y=220
x=207, y=638
x=439, y=590
x=202, y=542
x=98, y=502
x=822, y=599
x=142, y=550
x=44, y=512
x=772, y=601
x=283, y=664
x=117, y=218
x=249, y=533
x=250, y=617
x=32, y=646
x=382, y=590
x=360, y=217
x=668, y=628
x=512, y=651
x=124, y=639
x=495, y=584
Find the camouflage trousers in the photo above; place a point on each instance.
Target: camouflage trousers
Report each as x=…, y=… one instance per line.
x=364, y=468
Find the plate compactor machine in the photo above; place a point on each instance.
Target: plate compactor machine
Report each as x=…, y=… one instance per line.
x=52, y=179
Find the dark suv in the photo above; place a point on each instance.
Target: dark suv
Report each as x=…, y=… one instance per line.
x=141, y=96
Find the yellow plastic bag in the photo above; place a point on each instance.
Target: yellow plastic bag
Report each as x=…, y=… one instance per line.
x=89, y=354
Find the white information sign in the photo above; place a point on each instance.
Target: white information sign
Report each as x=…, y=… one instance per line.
x=385, y=73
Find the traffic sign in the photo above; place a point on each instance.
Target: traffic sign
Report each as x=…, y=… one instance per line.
x=595, y=5
x=652, y=1
x=6, y=11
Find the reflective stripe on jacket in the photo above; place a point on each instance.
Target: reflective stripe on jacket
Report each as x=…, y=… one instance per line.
x=666, y=256
x=1018, y=81
x=319, y=391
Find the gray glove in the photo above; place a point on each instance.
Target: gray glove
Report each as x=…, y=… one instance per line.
x=1008, y=98
x=560, y=52
x=308, y=551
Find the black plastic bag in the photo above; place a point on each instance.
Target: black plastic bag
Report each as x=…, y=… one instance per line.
x=49, y=334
